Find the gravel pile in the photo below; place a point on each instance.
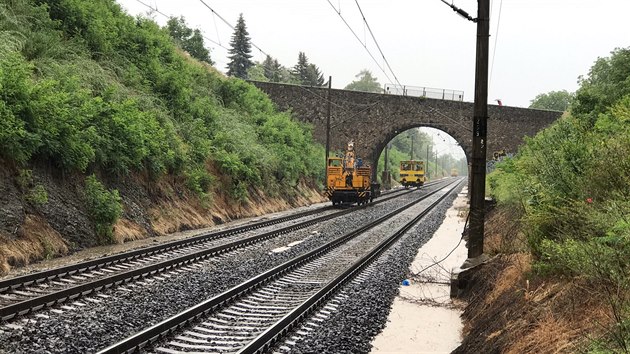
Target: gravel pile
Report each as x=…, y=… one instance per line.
x=116, y=313
x=364, y=313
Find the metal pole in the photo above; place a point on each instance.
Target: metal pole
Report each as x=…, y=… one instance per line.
x=480, y=124
x=436, y=165
x=428, y=176
x=411, y=133
x=328, y=127
x=386, y=179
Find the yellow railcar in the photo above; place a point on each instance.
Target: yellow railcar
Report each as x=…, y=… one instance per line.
x=454, y=172
x=349, y=180
x=412, y=173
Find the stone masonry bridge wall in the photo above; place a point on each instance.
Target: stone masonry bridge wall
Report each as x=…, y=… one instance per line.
x=373, y=119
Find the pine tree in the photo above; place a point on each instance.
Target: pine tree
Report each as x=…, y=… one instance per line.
x=240, y=51
x=300, y=70
x=314, y=75
x=306, y=73
x=272, y=69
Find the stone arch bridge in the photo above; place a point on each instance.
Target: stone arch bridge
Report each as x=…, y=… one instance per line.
x=373, y=119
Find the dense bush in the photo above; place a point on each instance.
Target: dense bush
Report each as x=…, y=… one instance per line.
x=88, y=87
x=573, y=181
x=104, y=208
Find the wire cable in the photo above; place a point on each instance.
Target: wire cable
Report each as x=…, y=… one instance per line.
x=359, y=39
x=232, y=27
x=496, y=38
x=376, y=42
x=167, y=16
x=449, y=254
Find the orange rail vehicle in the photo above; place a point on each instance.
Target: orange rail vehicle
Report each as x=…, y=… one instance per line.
x=348, y=180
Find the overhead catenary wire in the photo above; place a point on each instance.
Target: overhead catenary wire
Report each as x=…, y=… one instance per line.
x=230, y=25
x=168, y=16
x=496, y=38
x=376, y=42
x=359, y=39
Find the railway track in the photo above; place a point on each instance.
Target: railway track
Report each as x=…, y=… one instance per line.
x=253, y=316
x=24, y=294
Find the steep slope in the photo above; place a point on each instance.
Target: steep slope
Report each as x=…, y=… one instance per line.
x=109, y=132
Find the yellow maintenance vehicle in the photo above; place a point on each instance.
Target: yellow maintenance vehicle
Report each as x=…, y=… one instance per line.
x=454, y=172
x=348, y=180
x=412, y=173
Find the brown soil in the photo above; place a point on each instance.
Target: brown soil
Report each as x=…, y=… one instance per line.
x=510, y=310
x=32, y=231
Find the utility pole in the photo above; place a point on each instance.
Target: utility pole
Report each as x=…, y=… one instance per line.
x=436, y=165
x=428, y=176
x=480, y=125
x=328, y=127
x=411, y=145
x=386, y=169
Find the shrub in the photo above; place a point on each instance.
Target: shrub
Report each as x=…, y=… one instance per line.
x=104, y=208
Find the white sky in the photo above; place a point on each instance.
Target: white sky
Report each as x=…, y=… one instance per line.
x=542, y=45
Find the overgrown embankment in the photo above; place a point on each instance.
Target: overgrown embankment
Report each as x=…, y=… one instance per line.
x=562, y=231
x=108, y=132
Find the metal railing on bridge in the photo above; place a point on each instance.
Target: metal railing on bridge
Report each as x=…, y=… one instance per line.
x=428, y=92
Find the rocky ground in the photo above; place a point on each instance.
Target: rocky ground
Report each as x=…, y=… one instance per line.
x=118, y=313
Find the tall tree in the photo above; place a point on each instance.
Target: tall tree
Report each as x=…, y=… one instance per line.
x=240, y=51
x=315, y=76
x=187, y=39
x=366, y=82
x=300, y=69
x=554, y=100
x=307, y=73
x=272, y=69
x=607, y=82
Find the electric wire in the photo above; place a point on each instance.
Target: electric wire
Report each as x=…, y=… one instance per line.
x=232, y=27
x=496, y=38
x=167, y=16
x=376, y=42
x=449, y=254
x=359, y=39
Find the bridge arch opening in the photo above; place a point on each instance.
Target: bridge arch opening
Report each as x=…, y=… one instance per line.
x=440, y=152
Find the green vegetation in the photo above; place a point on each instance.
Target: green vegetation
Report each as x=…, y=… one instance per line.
x=34, y=193
x=104, y=208
x=303, y=73
x=400, y=149
x=86, y=86
x=188, y=39
x=240, y=51
x=572, y=185
x=366, y=83
x=554, y=100
x=307, y=73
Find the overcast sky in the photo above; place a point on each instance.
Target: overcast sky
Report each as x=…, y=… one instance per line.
x=541, y=45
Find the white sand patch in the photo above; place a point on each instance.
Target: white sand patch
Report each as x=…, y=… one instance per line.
x=423, y=318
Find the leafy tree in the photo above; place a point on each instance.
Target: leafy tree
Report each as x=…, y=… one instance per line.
x=240, y=51
x=553, y=100
x=178, y=29
x=607, y=82
x=257, y=73
x=307, y=73
x=366, y=82
x=188, y=39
